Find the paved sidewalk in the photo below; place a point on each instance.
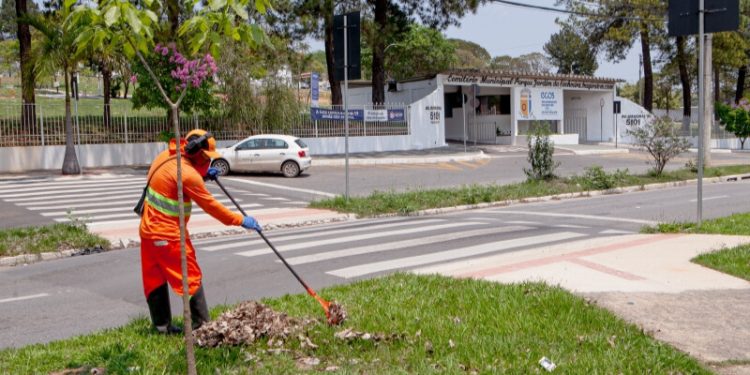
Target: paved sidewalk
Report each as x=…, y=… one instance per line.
x=645, y=279
x=452, y=152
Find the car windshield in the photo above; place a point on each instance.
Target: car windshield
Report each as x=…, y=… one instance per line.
x=300, y=143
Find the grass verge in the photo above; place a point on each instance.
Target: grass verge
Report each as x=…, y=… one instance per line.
x=49, y=238
x=403, y=203
x=443, y=325
x=734, y=261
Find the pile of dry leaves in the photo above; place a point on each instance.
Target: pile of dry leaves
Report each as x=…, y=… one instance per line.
x=248, y=322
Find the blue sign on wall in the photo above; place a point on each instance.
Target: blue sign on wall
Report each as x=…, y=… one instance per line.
x=396, y=115
x=336, y=114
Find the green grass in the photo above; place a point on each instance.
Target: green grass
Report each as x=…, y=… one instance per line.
x=734, y=261
x=50, y=238
x=495, y=328
x=403, y=203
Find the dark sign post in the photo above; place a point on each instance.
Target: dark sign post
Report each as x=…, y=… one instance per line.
x=616, y=109
x=688, y=17
x=346, y=48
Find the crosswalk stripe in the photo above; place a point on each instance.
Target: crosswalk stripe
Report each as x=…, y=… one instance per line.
x=128, y=208
x=78, y=190
x=56, y=197
x=378, y=234
x=54, y=200
x=317, y=234
x=442, y=256
x=57, y=189
x=398, y=245
x=57, y=183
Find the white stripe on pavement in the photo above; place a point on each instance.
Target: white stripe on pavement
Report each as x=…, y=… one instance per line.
x=398, y=245
x=128, y=208
x=578, y=216
x=318, y=233
x=43, y=183
x=57, y=189
x=55, y=197
x=305, y=245
x=442, y=256
x=55, y=193
x=23, y=297
x=53, y=200
x=281, y=187
x=710, y=198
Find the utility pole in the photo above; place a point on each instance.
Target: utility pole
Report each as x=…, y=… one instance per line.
x=640, y=84
x=708, y=112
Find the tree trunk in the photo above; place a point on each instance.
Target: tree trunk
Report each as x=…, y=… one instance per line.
x=740, y=84
x=28, y=109
x=107, y=83
x=127, y=88
x=648, y=75
x=378, y=53
x=70, y=161
x=336, y=98
x=682, y=61
x=172, y=115
x=173, y=14
x=717, y=90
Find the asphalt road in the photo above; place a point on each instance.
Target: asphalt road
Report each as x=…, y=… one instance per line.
x=500, y=168
x=57, y=299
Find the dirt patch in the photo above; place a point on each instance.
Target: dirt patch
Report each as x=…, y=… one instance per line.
x=248, y=322
x=711, y=325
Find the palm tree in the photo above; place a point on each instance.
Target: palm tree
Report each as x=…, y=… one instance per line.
x=57, y=45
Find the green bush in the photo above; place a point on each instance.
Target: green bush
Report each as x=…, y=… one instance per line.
x=541, y=149
x=596, y=178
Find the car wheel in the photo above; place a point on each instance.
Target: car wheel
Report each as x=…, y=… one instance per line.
x=290, y=169
x=222, y=165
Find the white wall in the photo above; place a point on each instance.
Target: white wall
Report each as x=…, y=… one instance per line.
x=407, y=92
x=632, y=113
x=425, y=132
x=599, y=120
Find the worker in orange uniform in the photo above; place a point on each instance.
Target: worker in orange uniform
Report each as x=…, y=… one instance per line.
x=160, y=230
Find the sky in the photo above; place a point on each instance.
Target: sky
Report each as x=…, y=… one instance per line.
x=510, y=30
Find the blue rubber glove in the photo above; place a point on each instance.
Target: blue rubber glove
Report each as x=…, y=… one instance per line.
x=250, y=223
x=212, y=174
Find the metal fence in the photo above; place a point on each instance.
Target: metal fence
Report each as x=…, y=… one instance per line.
x=38, y=125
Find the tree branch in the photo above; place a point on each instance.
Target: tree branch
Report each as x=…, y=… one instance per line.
x=151, y=73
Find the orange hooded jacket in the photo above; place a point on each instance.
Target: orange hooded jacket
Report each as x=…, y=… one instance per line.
x=160, y=220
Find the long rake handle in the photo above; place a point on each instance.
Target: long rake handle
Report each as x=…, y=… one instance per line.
x=309, y=290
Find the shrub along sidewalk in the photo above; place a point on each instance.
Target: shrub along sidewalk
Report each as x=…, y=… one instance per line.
x=595, y=178
x=418, y=325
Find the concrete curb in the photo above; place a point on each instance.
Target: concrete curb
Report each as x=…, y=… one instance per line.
x=33, y=258
x=402, y=160
x=595, y=152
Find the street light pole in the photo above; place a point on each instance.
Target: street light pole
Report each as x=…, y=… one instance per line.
x=601, y=119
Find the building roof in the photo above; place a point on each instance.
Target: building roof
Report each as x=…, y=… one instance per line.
x=529, y=75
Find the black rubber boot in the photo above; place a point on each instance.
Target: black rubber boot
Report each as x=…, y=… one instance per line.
x=198, y=308
x=161, y=313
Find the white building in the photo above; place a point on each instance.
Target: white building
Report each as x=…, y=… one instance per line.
x=506, y=105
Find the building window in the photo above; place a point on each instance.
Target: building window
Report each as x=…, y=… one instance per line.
x=452, y=100
x=496, y=104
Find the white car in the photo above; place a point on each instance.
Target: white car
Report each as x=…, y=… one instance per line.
x=265, y=153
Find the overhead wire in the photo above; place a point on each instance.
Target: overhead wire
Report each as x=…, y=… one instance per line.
x=567, y=11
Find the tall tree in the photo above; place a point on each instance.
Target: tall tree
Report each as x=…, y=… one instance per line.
x=58, y=47
x=745, y=33
x=470, y=55
x=613, y=27
x=728, y=56
x=28, y=109
x=570, y=53
x=423, y=51
x=437, y=14
x=534, y=62
x=683, y=62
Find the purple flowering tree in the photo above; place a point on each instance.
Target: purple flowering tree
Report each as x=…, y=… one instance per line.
x=134, y=26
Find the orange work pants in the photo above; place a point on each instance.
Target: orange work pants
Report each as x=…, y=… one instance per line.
x=160, y=263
